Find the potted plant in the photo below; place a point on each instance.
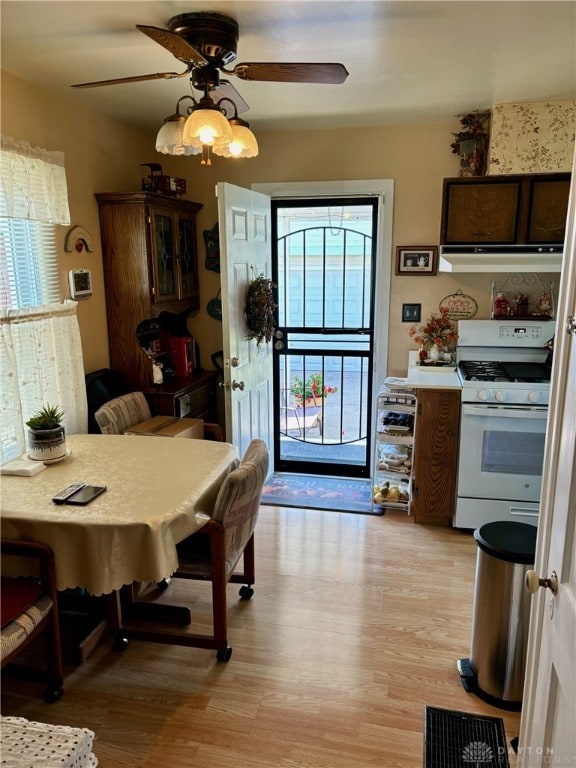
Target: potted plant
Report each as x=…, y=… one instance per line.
x=312, y=391
x=46, y=435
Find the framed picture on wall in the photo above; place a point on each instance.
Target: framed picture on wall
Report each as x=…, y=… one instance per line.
x=416, y=259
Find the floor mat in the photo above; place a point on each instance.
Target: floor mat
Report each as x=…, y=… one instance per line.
x=340, y=494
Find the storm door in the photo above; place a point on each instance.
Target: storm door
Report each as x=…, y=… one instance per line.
x=323, y=257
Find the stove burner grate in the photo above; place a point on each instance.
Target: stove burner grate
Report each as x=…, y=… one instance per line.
x=473, y=370
x=530, y=373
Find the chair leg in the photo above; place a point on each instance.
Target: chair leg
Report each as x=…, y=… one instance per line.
x=249, y=565
x=219, y=609
x=55, y=672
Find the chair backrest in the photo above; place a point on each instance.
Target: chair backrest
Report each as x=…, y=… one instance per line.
x=117, y=415
x=238, y=501
x=101, y=387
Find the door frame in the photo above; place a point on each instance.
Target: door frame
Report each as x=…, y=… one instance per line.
x=383, y=189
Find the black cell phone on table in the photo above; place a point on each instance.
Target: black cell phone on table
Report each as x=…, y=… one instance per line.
x=85, y=495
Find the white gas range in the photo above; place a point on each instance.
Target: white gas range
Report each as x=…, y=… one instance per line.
x=504, y=369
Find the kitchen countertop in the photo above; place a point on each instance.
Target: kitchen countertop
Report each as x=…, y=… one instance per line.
x=431, y=378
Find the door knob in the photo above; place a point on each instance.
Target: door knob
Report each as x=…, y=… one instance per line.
x=533, y=582
x=238, y=385
x=234, y=362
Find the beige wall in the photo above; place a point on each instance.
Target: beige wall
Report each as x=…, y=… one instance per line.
x=103, y=155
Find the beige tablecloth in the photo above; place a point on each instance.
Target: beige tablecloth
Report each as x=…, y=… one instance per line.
x=160, y=490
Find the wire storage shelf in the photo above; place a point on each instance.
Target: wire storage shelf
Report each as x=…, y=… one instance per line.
x=394, y=439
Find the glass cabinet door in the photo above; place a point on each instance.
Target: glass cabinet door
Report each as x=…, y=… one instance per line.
x=163, y=248
x=187, y=257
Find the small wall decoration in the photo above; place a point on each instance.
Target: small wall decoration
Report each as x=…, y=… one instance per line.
x=471, y=143
x=459, y=306
x=212, y=241
x=77, y=239
x=416, y=259
x=214, y=307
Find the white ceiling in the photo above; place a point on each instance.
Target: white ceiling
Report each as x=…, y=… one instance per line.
x=408, y=61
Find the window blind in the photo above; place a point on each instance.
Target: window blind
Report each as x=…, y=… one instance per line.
x=28, y=264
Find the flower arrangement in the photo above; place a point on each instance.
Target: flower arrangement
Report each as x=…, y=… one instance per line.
x=438, y=331
x=473, y=129
x=313, y=387
x=259, y=307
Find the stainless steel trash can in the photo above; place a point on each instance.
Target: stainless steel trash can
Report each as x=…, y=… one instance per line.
x=501, y=614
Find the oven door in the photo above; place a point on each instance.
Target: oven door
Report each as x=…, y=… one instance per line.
x=501, y=452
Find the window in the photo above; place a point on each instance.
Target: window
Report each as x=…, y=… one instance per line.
x=40, y=348
x=28, y=264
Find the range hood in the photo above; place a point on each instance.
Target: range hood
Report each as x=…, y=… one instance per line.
x=501, y=258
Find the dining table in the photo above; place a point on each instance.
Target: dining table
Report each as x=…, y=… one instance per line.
x=159, y=491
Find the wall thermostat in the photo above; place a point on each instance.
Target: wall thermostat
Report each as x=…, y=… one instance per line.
x=80, y=281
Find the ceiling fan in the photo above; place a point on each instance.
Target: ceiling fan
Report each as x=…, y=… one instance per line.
x=207, y=43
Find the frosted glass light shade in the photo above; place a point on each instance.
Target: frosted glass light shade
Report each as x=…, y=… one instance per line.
x=170, y=140
x=243, y=143
x=207, y=127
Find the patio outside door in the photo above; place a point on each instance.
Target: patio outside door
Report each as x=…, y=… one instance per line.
x=323, y=254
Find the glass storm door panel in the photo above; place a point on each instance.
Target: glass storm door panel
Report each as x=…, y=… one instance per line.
x=324, y=267
x=163, y=249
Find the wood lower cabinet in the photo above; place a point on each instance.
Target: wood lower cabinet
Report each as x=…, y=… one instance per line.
x=150, y=259
x=435, y=456
x=194, y=398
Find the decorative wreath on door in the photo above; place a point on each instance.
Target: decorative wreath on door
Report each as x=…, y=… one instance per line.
x=259, y=306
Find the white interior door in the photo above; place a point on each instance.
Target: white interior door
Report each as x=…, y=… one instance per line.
x=244, y=224
x=548, y=725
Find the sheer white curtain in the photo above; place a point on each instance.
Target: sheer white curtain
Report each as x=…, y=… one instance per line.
x=41, y=358
x=32, y=183
x=40, y=347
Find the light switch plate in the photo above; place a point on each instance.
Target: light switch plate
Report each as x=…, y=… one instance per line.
x=411, y=313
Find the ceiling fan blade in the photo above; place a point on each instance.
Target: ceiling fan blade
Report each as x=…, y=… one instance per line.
x=134, y=79
x=227, y=91
x=290, y=73
x=174, y=43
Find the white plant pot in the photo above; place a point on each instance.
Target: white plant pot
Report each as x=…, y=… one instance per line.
x=46, y=444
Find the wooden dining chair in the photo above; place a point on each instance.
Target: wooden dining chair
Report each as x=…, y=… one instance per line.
x=213, y=553
x=30, y=607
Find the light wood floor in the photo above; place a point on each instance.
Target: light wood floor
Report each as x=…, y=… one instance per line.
x=356, y=623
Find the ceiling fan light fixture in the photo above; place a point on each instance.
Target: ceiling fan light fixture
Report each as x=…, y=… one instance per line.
x=207, y=128
x=169, y=140
x=207, y=124
x=243, y=142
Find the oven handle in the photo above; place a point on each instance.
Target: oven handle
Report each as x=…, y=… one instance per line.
x=523, y=511
x=503, y=411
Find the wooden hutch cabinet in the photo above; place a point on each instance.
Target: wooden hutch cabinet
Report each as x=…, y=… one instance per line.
x=150, y=260
x=528, y=209
x=435, y=455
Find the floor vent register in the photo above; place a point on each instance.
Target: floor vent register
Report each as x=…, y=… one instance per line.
x=455, y=739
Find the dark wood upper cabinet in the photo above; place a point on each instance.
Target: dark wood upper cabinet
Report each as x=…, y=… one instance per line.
x=505, y=210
